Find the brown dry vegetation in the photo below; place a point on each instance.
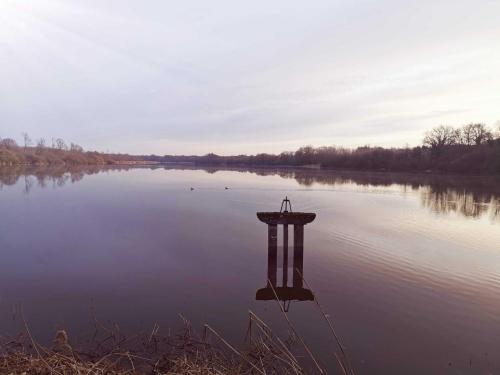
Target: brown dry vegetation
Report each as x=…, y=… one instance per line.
x=58, y=154
x=33, y=156
x=470, y=149
x=111, y=352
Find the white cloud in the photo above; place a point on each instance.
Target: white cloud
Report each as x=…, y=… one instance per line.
x=193, y=77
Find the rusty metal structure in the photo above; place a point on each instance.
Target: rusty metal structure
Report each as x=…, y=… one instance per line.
x=298, y=220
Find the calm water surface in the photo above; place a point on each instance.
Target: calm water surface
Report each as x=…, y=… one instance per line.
x=407, y=266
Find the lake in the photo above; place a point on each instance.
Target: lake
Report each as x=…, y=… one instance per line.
x=407, y=266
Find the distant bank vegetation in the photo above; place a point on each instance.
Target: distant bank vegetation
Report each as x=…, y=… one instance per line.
x=57, y=152
x=470, y=149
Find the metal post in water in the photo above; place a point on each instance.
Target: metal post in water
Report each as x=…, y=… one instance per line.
x=286, y=218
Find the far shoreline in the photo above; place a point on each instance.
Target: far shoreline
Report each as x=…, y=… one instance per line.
x=252, y=167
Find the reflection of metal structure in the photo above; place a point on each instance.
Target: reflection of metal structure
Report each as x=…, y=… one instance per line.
x=285, y=217
x=286, y=203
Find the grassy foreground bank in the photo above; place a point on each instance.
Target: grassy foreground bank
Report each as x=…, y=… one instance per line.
x=111, y=352
x=187, y=352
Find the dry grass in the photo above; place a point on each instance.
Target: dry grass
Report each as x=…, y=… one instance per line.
x=182, y=353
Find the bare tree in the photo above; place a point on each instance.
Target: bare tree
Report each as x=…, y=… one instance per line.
x=27, y=140
x=76, y=148
x=60, y=144
x=440, y=137
x=466, y=137
x=41, y=144
x=9, y=143
x=475, y=134
x=305, y=154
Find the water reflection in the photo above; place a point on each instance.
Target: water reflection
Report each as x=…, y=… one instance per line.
x=54, y=176
x=380, y=261
x=285, y=218
x=469, y=196
x=468, y=203
x=472, y=197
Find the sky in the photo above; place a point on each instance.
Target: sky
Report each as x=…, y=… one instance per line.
x=233, y=77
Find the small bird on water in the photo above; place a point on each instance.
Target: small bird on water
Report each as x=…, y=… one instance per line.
x=192, y=188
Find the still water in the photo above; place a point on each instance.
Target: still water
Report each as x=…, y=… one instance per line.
x=407, y=266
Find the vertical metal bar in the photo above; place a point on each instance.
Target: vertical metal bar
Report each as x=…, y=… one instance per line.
x=298, y=254
x=285, y=255
x=272, y=261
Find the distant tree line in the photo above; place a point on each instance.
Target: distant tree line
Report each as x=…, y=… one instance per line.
x=56, y=152
x=41, y=152
x=470, y=149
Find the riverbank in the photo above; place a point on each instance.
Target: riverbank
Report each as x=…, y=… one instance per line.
x=50, y=362
x=111, y=352
x=482, y=158
x=473, y=149
x=34, y=156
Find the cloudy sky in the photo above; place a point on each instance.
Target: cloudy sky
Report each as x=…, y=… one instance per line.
x=189, y=77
